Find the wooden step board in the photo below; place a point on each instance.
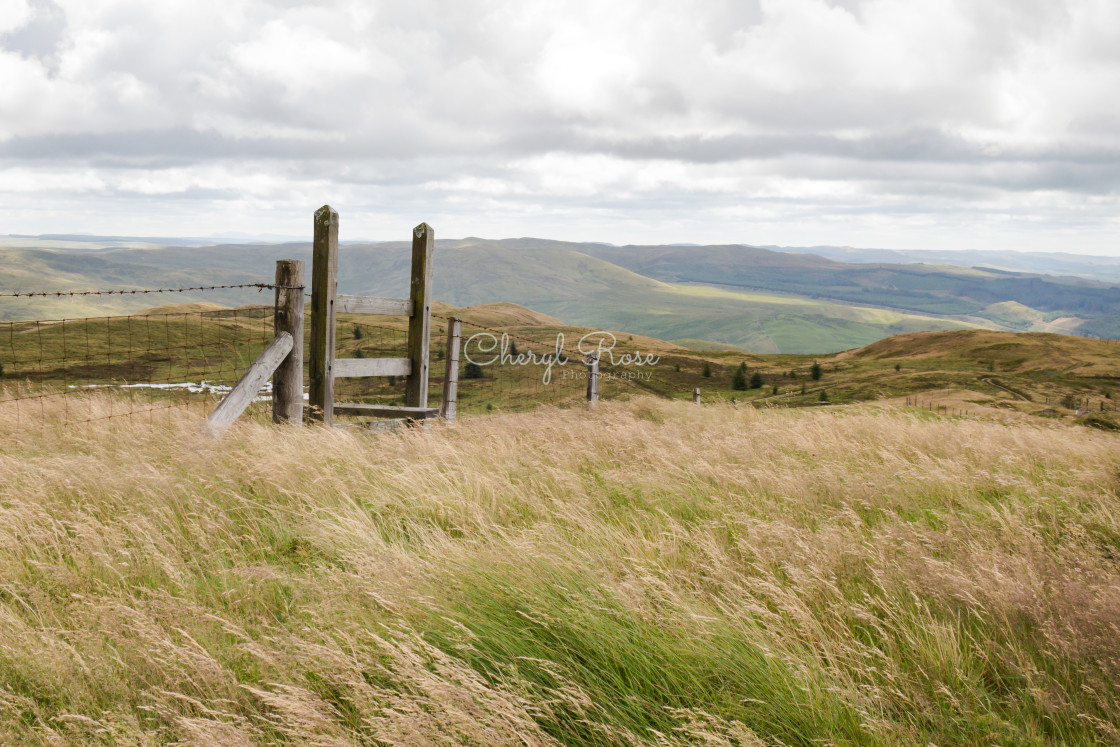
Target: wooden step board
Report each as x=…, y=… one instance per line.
x=388, y=411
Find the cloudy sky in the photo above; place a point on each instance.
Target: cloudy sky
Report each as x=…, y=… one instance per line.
x=890, y=123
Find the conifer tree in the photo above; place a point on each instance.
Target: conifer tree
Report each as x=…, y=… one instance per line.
x=739, y=378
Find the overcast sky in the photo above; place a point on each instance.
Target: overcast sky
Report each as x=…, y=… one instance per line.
x=890, y=123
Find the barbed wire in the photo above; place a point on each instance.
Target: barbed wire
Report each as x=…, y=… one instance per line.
x=136, y=291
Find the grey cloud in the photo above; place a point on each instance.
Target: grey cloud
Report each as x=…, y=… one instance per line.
x=918, y=144
x=41, y=36
x=182, y=146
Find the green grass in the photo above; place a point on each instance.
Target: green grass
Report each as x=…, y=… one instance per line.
x=762, y=322
x=959, y=371
x=649, y=572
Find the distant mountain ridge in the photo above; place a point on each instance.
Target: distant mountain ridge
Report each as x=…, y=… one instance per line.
x=751, y=297
x=1043, y=263
x=933, y=289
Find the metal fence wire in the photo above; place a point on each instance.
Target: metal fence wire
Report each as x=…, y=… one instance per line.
x=85, y=369
x=523, y=367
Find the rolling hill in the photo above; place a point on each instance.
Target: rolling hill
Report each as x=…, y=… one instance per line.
x=765, y=301
x=1044, y=263
x=931, y=289
x=959, y=371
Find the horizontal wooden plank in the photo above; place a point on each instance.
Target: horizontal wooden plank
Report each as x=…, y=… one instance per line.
x=389, y=411
x=372, y=305
x=349, y=368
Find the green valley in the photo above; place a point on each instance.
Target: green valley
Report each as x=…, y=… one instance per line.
x=762, y=300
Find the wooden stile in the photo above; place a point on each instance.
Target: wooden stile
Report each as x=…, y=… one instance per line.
x=326, y=304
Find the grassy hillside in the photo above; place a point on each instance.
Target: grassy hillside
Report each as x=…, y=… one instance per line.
x=649, y=573
x=1033, y=373
x=550, y=277
x=1012, y=353
x=165, y=354
x=969, y=371
x=1092, y=267
x=769, y=302
x=28, y=270
x=931, y=289
x=959, y=371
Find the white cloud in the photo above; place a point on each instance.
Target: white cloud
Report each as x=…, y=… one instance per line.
x=303, y=60
x=13, y=14
x=864, y=118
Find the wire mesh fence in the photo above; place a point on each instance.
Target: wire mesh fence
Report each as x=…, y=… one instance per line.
x=67, y=371
x=521, y=368
x=175, y=358
x=502, y=369
x=170, y=358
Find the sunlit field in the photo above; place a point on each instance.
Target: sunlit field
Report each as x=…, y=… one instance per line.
x=647, y=572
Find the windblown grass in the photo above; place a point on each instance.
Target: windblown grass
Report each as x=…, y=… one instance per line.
x=648, y=573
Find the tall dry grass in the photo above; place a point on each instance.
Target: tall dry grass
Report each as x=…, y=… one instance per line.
x=649, y=573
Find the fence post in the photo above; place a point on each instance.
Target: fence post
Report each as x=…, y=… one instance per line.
x=287, y=380
x=324, y=274
x=451, y=373
x=696, y=396
x=593, y=378
x=419, y=325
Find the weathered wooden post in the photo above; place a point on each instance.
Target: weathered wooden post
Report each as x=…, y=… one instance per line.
x=696, y=396
x=419, y=325
x=287, y=381
x=451, y=374
x=593, y=379
x=324, y=281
